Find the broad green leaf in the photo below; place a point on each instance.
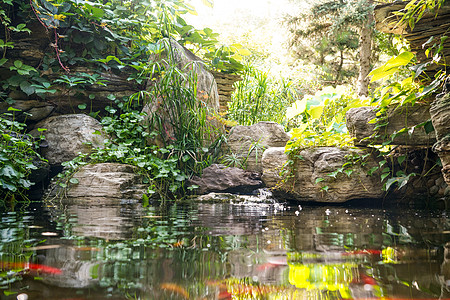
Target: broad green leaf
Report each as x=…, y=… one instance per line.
x=400, y=60
x=391, y=66
x=27, y=87
x=18, y=64
x=390, y=181
x=428, y=127
x=297, y=108
x=380, y=73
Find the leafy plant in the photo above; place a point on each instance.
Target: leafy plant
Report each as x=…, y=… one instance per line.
x=319, y=120
x=18, y=152
x=170, y=143
x=258, y=97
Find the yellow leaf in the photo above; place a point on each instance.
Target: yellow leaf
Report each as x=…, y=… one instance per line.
x=244, y=52
x=297, y=132
x=315, y=111
x=209, y=3
x=297, y=108
x=59, y=17
x=380, y=73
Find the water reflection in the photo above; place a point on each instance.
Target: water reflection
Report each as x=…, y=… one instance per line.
x=211, y=250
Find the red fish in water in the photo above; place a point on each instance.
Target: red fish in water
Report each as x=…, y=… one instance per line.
x=30, y=266
x=365, y=251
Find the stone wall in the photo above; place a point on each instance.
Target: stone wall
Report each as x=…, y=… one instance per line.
x=225, y=88
x=430, y=25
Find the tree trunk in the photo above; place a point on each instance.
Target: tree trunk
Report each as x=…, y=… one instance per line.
x=365, y=51
x=339, y=67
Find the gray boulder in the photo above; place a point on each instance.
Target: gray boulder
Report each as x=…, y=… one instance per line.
x=249, y=142
x=67, y=135
x=107, y=180
x=396, y=119
x=218, y=178
x=315, y=176
x=206, y=84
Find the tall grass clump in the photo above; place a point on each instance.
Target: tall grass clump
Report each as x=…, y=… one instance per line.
x=258, y=97
x=180, y=113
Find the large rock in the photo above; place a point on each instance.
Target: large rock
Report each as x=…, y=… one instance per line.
x=185, y=60
x=396, y=118
x=106, y=180
x=206, y=84
x=218, y=178
x=249, y=142
x=169, y=114
x=312, y=178
x=67, y=135
x=440, y=116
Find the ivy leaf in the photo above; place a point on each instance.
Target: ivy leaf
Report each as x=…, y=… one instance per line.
x=319, y=180
x=348, y=172
x=9, y=172
x=27, y=87
x=428, y=126
x=18, y=64
x=390, y=182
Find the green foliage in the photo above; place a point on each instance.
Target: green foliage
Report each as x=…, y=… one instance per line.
x=169, y=145
x=414, y=10
x=111, y=36
x=226, y=59
x=258, y=97
x=18, y=151
x=319, y=120
x=328, y=33
x=401, y=87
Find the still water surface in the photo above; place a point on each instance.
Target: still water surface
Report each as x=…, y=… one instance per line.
x=103, y=249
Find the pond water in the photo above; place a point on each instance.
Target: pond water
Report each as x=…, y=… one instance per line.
x=239, y=249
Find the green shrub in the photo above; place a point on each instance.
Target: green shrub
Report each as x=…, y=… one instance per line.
x=319, y=119
x=18, y=151
x=259, y=97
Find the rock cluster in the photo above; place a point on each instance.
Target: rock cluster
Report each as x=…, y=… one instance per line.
x=313, y=176
x=400, y=126
x=249, y=142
